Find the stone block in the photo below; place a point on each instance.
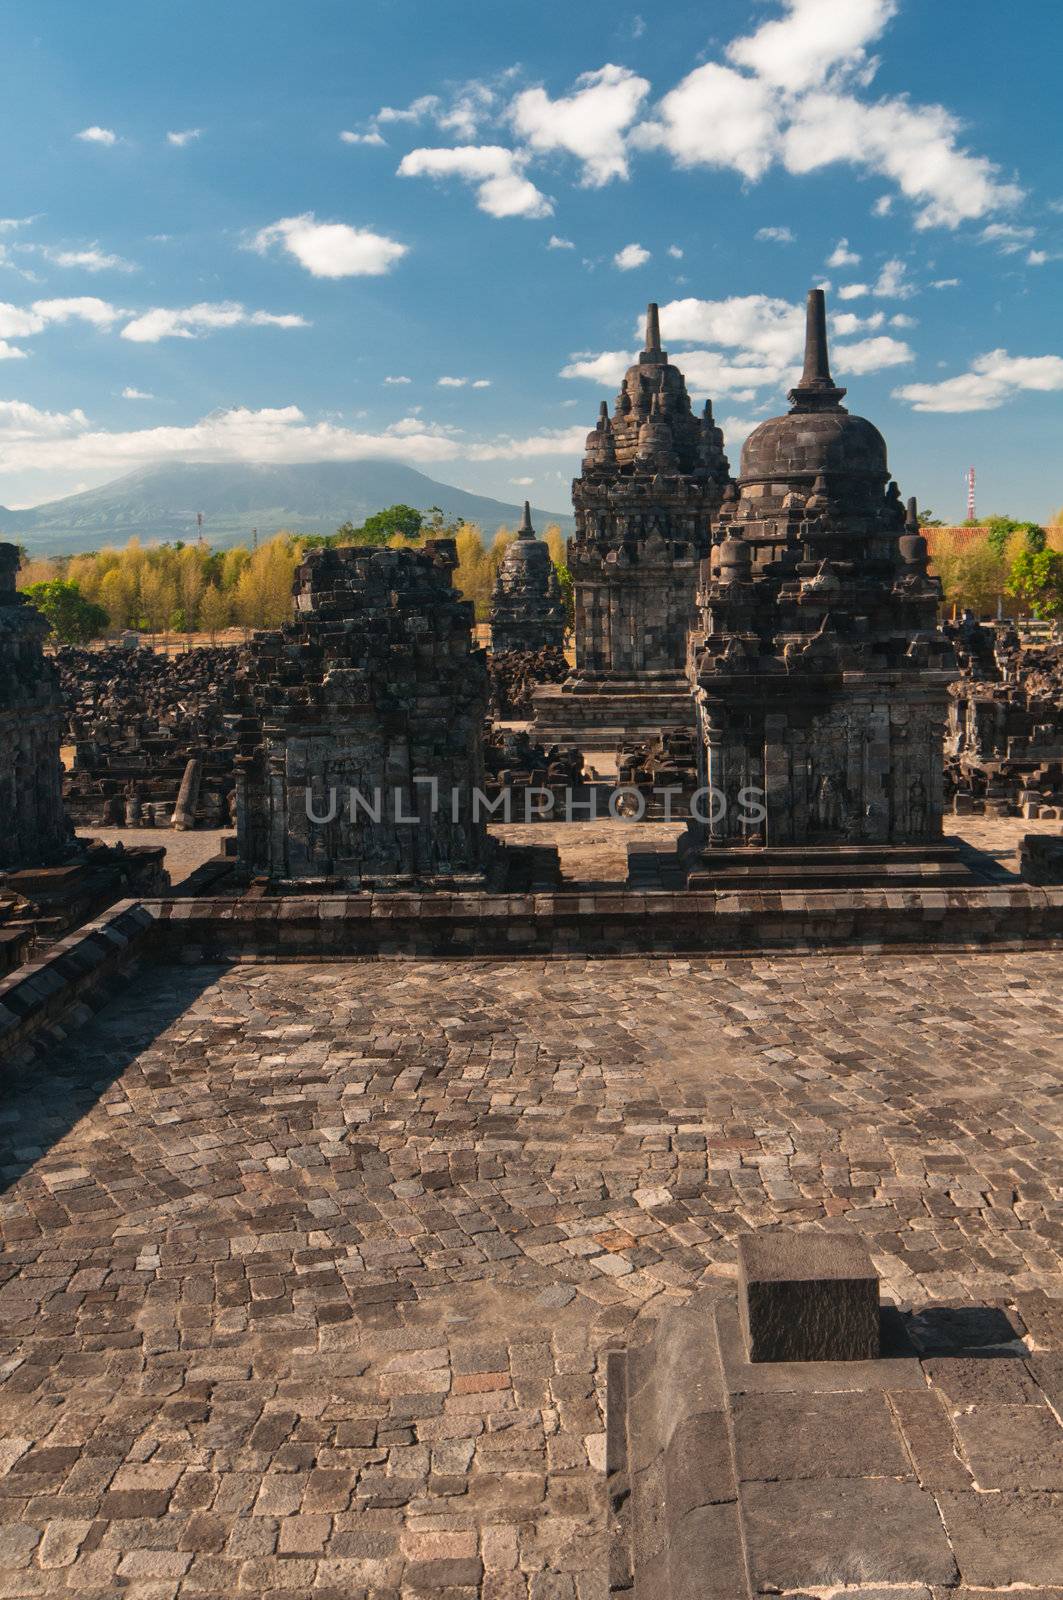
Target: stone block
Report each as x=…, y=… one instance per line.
x=850, y=1531
x=807, y=1297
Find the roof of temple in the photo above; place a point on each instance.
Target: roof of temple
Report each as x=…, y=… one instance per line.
x=817, y=436
x=653, y=426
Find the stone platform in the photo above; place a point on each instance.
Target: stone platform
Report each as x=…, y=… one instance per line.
x=598, y=715
x=936, y=1470
x=312, y=1272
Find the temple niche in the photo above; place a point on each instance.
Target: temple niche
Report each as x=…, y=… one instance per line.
x=35, y=829
x=527, y=611
x=375, y=690
x=654, y=474
x=819, y=670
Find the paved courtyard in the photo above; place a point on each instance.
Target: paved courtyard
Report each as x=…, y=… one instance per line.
x=310, y=1269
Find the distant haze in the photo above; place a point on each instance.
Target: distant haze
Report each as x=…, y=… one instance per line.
x=158, y=503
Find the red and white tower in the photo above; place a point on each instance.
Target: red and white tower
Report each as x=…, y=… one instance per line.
x=968, y=479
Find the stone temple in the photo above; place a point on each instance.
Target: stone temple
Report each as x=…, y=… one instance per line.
x=819, y=669
x=375, y=1229
x=527, y=611
x=34, y=830
x=375, y=688
x=654, y=475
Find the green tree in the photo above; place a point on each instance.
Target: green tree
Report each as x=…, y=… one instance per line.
x=72, y=618
x=379, y=528
x=1036, y=578
x=927, y=519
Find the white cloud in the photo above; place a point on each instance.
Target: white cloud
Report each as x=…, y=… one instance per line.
x=481, y=383
x=501, y=188
x=871, y=355
x=19, y=321
x=776, y=235
x=91, y=259
x=916, y=146
x=853, y=291
x=842, y=256
x=718, y=118
x=451, y=383
x=945, y=283
x=398, y=379
x=882, y=206
x=96, y=135
x=554, y=442
x=892, y=282
x=467, y=110
x=1037, y=258
x=801, y=49
x=11, y=352
x=675, y=252
x=522, y=483
x=556, y=243
x=33, y=441
x=1008, y=238
x=129, y=393
x=845, y=323
x=183, y=136
x=590, y=123
x=992, y=379
x=606, y=368
x=188, y=322
x=631, y=256
x=9, y=224
x=331, y=249
x=374, y=136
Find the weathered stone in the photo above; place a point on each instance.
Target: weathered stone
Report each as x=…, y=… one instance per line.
x=1004, y=1539
x=807, y=1297
x=35, y=829
x=363, y=739
x=819, y=670
x=653, y=476
x=527, y=611
x=843, y=1531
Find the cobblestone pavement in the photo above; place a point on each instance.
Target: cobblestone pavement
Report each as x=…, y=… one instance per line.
x=310, y=1270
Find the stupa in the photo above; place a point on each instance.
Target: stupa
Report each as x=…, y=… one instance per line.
x=654, y=474
x=527, y=611
x=819, y=670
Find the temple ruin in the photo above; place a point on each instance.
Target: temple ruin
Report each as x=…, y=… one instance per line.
x=35, y=829
x=527, y=611
x=362, y=739
x=654, y=475
x=818, y=666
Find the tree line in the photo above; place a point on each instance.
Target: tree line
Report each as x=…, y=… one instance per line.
x=1018, y=565
x=179, y=588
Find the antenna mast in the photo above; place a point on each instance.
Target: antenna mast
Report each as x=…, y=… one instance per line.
x=968, y=479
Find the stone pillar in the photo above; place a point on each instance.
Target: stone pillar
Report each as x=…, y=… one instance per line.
x=34, y=829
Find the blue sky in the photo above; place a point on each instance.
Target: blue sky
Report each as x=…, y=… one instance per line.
x=225, y=228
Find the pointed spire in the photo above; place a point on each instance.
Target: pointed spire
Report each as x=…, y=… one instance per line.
x=817, y=390
x=911, y=521
x=526, y=531
x=603, y=414
x=652, y=354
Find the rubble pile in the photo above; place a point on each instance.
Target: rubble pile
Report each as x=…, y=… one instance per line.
x=140, y=725
x=513, y=761
x=513, y=676
x=669, y=761
x=1004, y=748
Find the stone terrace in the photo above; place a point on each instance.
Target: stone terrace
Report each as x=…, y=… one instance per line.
x=311, y=1270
